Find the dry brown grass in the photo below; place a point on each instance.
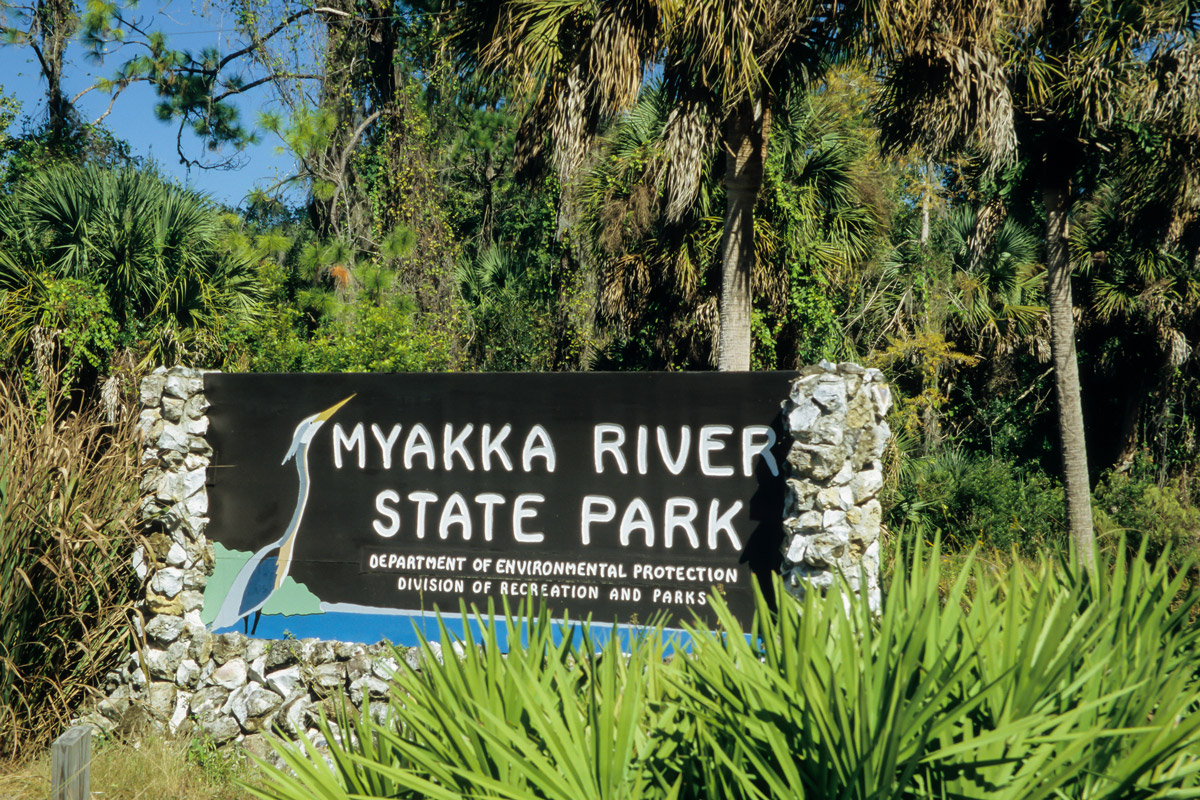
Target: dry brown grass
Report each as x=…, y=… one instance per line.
x=68, y=512
x=162, y=769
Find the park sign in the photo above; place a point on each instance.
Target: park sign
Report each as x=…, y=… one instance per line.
x=351, y=506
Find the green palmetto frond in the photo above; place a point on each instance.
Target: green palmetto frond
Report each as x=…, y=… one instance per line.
x=159, y=252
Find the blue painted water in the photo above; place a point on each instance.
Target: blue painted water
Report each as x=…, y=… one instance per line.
x=407, y=628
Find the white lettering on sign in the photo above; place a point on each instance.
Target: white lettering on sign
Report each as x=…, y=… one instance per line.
x=422, y=499
x=385, y=445
x=753, y=445
x=489, y=447
x=537, y=445
x=637, y=518
x=674, y=464
x=709, y=444
x=419, y=442
x=648, y=447
x=356, y=439
x=521, y=513
x=589, y=514
x=680, y=513
x=608, y=438
x=718, y=522
x=489, y=500
x=454, y=445
x=455, y=513
x=392, y=527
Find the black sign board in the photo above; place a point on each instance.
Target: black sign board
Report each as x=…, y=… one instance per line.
x=351, y=499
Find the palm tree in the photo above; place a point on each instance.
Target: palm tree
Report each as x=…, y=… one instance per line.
x=156, y=250
x=725, y=64
x=1049, y=82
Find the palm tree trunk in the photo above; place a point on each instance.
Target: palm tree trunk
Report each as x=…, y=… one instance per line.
x=745, y=139
x=1066, y=368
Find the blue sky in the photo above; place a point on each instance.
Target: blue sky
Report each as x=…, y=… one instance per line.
x=133, y=119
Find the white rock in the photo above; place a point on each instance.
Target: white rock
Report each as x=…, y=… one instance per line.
x=194, y=461
x=188, y=674
x=286, y=682
x=882, y=396
x=810, y=521
x=372, y=687
x=830, y=396
x=230, y=675
x=176, y=555
x=197, y=504
x=802, y=417
x=832, y=498
x=193, y=481
x=151, y=390
x=139, y=564
x=146, y=419
x=385, y=668
x=833, y=518
x=173, y=437
x=866, y=485
x=257, y=670
x=843, y=476
x=181, y=711
x=168, y=581
x=172, y=409
x=164, y=628
x=796, y=549
x=193, y=602
x=170, y=488
x=197, y=427
x=182, y=387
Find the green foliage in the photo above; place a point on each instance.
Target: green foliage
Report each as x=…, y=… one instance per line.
x=155, y=251
x=560, y=716
x=1044, y=682
x=1032, y=684
x=379, y=339
x=974, y=499
x=506, y=302
x=75, y=312
x=1131, y=506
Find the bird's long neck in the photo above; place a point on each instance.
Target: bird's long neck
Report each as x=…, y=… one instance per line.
x=287, y=544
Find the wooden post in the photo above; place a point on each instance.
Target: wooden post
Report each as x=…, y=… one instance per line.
x=71, y=765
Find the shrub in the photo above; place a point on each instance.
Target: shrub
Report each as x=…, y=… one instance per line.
x=68, y=505
x=1037, y=683
x=559, y=716
x=1131, y=507
x=978, y=500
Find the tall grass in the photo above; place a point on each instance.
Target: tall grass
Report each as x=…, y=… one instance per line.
x=1035, y=683
x=68, y=506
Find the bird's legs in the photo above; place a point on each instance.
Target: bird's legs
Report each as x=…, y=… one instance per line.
x=254, y=627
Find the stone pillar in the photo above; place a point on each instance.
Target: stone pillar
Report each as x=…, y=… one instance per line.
x=832, y=516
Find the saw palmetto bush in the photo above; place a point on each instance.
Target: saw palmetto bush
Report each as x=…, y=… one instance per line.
x=68, y=505
x=557, y=716
x=1046, y=682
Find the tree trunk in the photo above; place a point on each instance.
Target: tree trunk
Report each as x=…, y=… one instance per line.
x=1066, y=367
x=54, y=24
x=745, y=139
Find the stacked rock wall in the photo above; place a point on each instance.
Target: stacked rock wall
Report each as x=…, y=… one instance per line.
x=832, y=515
x=180, y=677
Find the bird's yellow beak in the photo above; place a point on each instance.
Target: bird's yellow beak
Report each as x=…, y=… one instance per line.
x=329, y=412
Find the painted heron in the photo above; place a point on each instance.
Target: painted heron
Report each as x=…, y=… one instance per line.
x=264, y=572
